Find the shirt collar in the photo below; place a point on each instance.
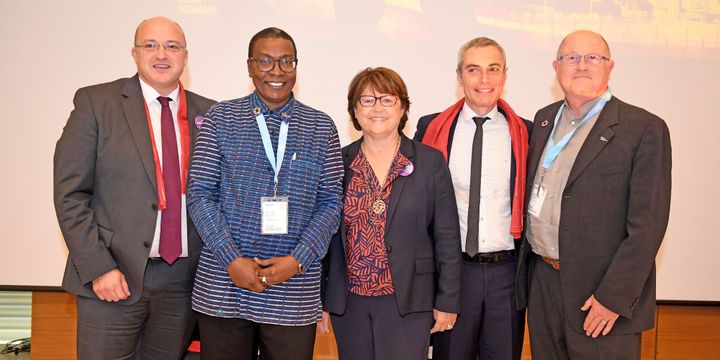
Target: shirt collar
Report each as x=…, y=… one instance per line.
x=585, y=108
x=284, y=112
x=467, y=114
x=150, y=94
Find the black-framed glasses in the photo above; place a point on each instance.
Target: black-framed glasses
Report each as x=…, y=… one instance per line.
x=267, y=63
x=574, y=59
x=152, y=46
x=385, y=100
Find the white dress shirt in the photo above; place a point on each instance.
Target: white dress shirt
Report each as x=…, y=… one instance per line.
x=495, y=210
x=155, y=110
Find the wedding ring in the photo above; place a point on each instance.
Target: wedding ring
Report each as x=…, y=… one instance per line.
x=263, y=280
x=449, y=327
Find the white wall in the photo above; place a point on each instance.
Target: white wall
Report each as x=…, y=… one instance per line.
x=666, y=61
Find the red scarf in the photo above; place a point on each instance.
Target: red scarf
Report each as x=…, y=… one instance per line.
x=184, y=147
x=437, y=135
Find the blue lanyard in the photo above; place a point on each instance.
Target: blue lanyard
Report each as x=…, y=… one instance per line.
x=553, y=149
x=267, y=143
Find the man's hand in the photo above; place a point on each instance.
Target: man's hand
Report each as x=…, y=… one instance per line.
x=277, y=270
x=111, y=286
x=244, y=274
x=323, y=325
x=443, y=321
x=599, y=318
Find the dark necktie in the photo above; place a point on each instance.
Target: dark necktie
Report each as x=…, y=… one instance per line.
x=473, y=223
x=171, y=224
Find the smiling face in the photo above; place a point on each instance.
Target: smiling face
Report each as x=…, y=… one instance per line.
x=379, y=121
x=275, y=86
x=482, y=75
x=159, y=68
x=583, y=82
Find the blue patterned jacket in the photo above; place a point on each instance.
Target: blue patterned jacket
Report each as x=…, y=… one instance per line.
x=230, y=172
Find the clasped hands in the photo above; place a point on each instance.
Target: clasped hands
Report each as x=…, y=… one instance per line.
x=256, y=274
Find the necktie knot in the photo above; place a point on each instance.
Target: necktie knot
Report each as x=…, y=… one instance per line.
x=164, y=101
x=480, y=120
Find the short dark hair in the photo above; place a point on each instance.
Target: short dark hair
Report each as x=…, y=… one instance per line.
x=382, y=80
x=271, y=33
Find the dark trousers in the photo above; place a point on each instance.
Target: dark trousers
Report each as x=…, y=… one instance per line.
x=489, y=325
x=552, y=336
x=238, y=339
x=372, y=329
x=157, y=326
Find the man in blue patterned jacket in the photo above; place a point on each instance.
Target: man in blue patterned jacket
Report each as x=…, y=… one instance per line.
x=265, y=194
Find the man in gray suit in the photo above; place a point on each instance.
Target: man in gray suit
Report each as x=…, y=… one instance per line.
x=120, y=171
x=599, y=200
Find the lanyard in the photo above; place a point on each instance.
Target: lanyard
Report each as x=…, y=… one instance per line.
x=553, y=149
x=267, y=143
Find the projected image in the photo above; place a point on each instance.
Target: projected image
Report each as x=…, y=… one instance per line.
x=684, y=28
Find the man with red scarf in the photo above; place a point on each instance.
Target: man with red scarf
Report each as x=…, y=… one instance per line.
x=120, y=172
x=485, y=144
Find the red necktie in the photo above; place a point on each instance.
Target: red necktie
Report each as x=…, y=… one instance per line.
x=171, y=224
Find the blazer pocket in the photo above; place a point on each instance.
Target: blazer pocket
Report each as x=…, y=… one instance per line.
x=425, y=265
x=106, y=235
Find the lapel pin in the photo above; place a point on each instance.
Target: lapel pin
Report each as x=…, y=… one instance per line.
x=407, y=170
x=256, y=111
x=198, y=121
x=602, y=138
x=544, y=123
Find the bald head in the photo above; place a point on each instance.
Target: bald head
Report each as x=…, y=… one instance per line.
x=159, y=20
x=583, y=35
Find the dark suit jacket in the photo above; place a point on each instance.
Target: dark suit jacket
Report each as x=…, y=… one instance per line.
x=105, y=188
x=614, y=213
x=422, y=237
x=425, y=121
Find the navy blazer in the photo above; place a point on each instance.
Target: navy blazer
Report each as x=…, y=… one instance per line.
x=422, y=237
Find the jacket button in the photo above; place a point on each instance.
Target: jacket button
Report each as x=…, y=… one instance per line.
x=388, y=248
x=568, y=196
x=147, y=244
x=153, y=206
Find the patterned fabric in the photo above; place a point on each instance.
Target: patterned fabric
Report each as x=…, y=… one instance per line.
x=229, y=174
x=368, y=269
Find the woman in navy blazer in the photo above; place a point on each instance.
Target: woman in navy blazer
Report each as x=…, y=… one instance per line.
x=392, y=273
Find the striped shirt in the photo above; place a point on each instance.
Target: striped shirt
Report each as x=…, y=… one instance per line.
x=229, y=174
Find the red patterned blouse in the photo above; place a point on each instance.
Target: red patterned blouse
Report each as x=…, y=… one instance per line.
x=364, y=217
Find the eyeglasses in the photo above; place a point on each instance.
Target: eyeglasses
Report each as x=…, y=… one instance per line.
x=267, y=63
x=385, y=100
x=574, y=59
x=169, y=46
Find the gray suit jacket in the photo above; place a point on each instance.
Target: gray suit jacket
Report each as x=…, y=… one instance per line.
x=105, y=188
x=614, y=214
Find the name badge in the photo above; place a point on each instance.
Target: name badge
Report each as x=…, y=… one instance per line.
x=536, y=200
x=274, y=215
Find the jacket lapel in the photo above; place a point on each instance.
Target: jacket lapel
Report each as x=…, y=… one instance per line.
x=407, y=148
x=349, y=154
x=600, y=135
x=544, y=124
x=133, y=105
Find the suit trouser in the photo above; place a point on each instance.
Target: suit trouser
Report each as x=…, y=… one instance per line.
x=239, y=339
x=489, y=325
x=157, y=326
x=552, y=336
x=373, y=329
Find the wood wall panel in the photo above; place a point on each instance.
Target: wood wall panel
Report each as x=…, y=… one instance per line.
x=682, y=332
x=54, y=326
x=688, y=332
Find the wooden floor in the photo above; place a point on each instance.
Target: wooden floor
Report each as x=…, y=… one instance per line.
x=681, y=332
